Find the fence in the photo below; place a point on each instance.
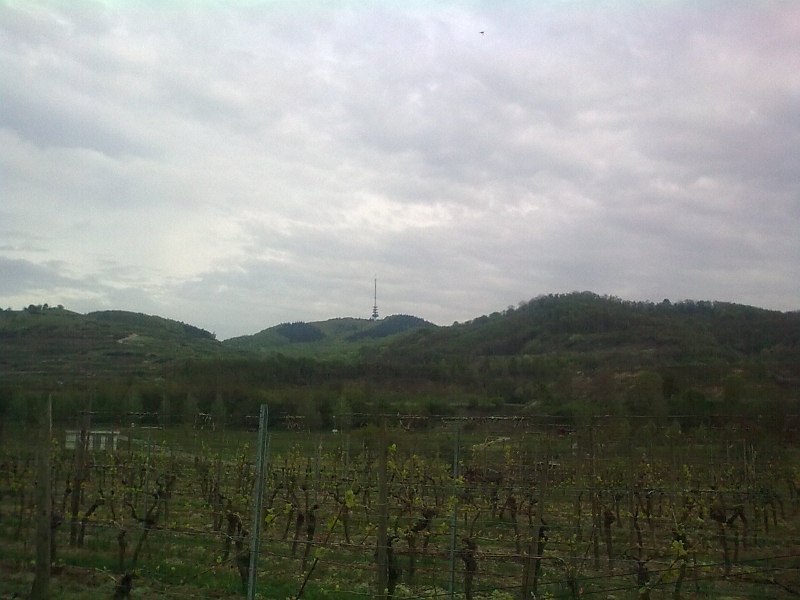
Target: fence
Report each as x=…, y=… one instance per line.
x=410, y=507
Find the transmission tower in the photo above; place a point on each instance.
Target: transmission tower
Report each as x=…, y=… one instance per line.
x=375, y=306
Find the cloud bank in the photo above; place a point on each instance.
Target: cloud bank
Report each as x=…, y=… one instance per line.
x=240, y=167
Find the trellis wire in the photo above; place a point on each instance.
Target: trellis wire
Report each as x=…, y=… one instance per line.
x=607, y=457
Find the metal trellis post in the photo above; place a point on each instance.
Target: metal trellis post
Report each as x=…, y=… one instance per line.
x=258, y=501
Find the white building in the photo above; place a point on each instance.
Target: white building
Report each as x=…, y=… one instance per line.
x=99, y=439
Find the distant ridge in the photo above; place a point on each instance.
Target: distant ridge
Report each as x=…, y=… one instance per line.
x=620, y=331
x=341, y=336
x=560, y=333
x=140, y=320
x=42, y=341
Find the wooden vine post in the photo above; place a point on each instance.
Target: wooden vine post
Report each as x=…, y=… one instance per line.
x=594, y=499
x=382, y=555
x=542, y=536
x=79, y=473
x=631, y=485
x=41, y=581
x=532, y=559
x=454, y=522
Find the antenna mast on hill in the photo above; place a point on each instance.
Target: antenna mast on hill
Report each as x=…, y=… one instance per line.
x=375, y=306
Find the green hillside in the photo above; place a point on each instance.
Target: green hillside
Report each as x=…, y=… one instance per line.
x=42, y=342
x=621, y=333
x=558, y=350
x=335, y=338
x=560, y=355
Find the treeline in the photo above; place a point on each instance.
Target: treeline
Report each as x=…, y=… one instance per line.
x=300, y=332
x=391, y=326
x=315, y=396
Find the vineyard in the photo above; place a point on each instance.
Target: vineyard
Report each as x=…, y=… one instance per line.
x=408, y=508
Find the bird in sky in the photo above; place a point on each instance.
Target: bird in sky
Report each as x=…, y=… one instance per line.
x=482, y=32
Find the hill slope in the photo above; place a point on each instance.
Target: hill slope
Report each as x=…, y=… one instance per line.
x=585, y=346
x=588, y=323
x=548, y=353
x=344, y=337
x=42, y=342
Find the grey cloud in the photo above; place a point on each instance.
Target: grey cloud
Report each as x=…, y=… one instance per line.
x=22, y=276
x=51, y=93
x=261, y=165
x=50, y=121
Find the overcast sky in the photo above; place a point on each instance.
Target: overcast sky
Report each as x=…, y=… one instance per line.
x=240, y=167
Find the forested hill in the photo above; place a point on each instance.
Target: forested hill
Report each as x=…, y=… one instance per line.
x=42, y=342
x=335, y=338
x=584, y=329
x=560, y=354
x=597, y=331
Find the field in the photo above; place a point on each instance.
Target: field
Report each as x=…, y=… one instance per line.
x=414, y=508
